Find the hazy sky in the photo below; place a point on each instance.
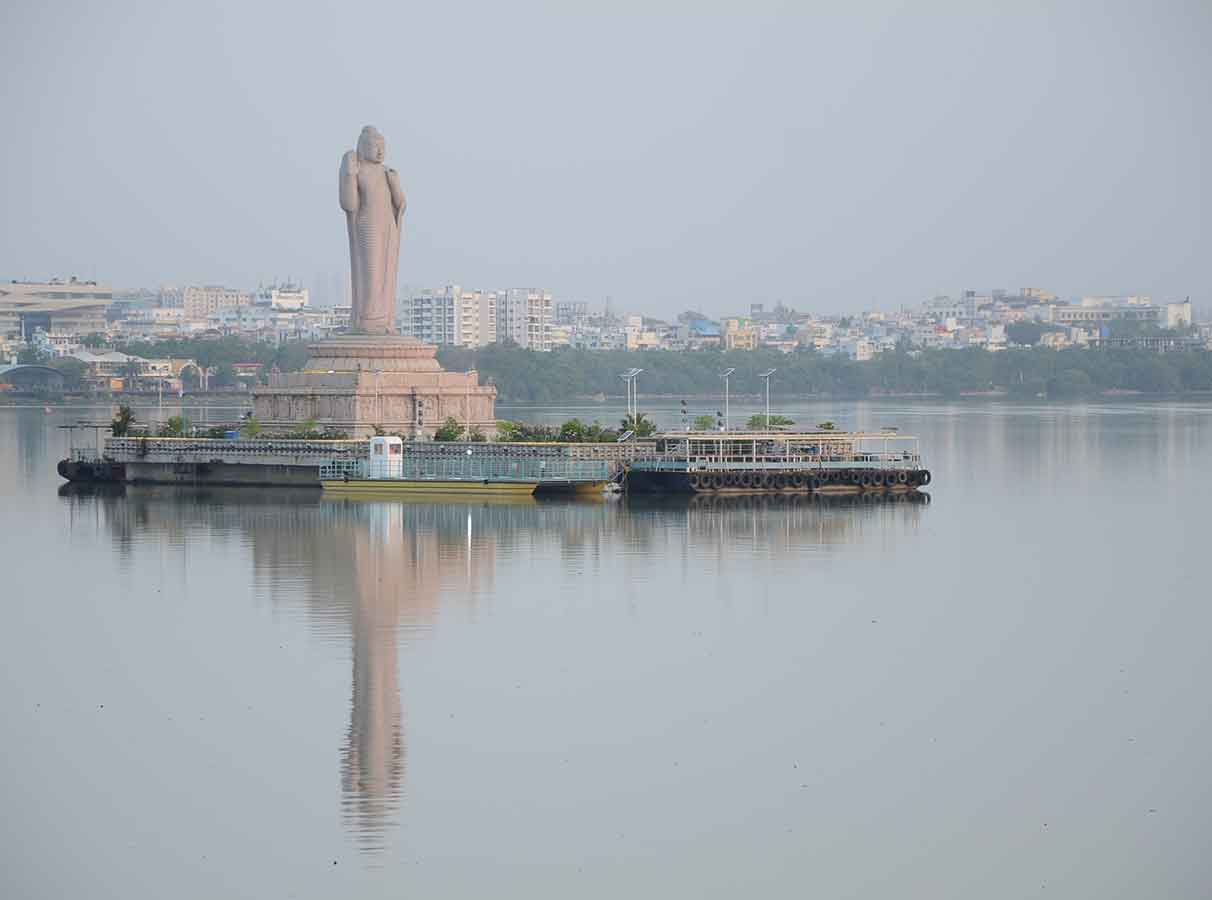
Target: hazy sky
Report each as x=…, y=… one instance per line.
x=666, y=155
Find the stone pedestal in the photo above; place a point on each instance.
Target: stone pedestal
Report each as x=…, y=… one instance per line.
x=356, y=382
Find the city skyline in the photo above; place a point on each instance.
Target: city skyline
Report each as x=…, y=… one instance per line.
x=829, y=160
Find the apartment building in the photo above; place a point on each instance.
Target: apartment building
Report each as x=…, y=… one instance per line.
x=199, y=302
x=478, y=318
x=525, y=316
x=450, y=316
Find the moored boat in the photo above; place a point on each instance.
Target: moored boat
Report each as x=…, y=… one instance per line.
x=379, y=487
x=386, y=471
x=824, y=461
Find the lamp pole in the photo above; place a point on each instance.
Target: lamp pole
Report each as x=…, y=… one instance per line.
x=471, y=373
x=765, y=376
x=725, y=375
x=633, y=397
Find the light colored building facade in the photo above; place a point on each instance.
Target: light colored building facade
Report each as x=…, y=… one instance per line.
x=286, y=297
x=525, y=316
x=56, y=307
x=199, y=302
x=432, y=316
x=478, y=318
x=739, y=335
x=1094, y=312
x=451, y=316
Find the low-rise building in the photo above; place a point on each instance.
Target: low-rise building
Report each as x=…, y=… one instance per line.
x=110, y=370
x=70, y=307
x=287, y=297
x=739, y=335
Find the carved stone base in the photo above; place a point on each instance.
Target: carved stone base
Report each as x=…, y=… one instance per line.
x=357, y=382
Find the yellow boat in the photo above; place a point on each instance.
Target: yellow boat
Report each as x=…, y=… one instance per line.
x=387, y=487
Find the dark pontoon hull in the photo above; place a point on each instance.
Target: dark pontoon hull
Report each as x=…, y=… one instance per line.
x=770, y=481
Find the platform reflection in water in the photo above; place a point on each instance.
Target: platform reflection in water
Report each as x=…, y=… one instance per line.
x=378, y=573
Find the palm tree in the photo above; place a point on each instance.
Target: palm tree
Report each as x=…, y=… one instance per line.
x=639, y=424
x=123, y=420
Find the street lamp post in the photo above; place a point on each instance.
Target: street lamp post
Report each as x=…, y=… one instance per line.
x=633, y=397
x=765, y=376
x=725, y=375
x=471, y=373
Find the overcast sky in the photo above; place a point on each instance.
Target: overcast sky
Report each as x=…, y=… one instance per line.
x=660, y=154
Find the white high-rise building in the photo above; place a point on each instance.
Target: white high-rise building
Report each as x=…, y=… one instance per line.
x=477, y=318
x=524, y=316
x=430, y=316
x=450, y=316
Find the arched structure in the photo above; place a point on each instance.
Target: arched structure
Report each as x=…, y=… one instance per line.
x=33, y=377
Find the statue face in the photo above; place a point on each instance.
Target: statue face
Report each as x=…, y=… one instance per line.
x=371, y=146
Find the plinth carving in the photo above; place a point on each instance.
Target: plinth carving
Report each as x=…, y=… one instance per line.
x=355, y=383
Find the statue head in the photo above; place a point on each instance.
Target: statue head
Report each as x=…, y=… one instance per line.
x=371, y=147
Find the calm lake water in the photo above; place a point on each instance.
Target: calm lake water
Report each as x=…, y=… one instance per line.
x=999, y=693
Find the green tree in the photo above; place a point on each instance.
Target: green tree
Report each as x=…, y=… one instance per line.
x=573, y=431
x=250, y=427
x=597, y=434
x=1070, y=383
x=224, y=377
x=450, y=430
x=1025, y=333
x=74, y=371
x=704, y=423
x=175, y=426
x=306, y=429
x=124, y=418
x=640, y=424
x=508, y=431
x=522, y=375
x=759, y=423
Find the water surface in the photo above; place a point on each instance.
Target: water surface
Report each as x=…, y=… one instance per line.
x=244, y=693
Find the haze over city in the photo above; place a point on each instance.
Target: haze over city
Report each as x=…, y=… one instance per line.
x=829, y=159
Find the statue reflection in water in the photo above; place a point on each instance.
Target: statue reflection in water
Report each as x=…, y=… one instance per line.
x=378, y=573
x=385, y=568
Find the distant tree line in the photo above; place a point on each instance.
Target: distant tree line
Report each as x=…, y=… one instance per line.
x=220, y=354
x=526, y=376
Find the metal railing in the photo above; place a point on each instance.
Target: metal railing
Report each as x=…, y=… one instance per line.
x=133, y=449
x=467, y=468
x=676, y=463
x=826, y=451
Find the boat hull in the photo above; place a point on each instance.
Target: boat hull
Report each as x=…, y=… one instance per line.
x=764, y=481
x=389, y=487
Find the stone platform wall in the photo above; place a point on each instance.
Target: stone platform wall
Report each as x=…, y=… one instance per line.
x=356, y=383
